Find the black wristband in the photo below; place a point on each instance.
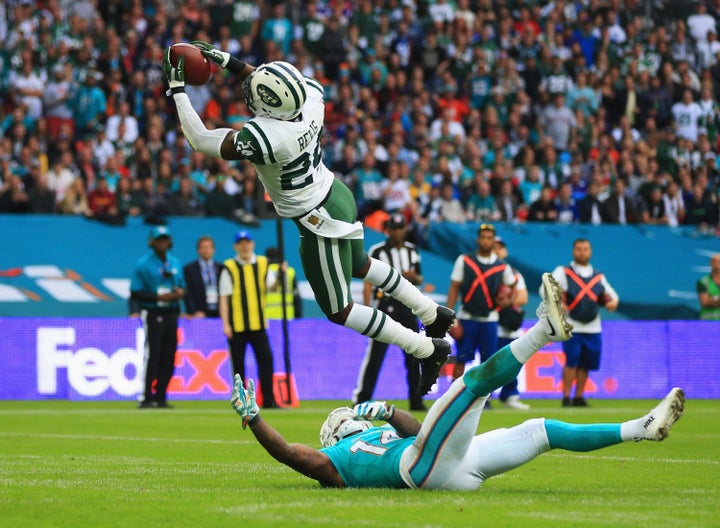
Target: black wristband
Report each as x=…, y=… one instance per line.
x=236, y=66
x=177, y=90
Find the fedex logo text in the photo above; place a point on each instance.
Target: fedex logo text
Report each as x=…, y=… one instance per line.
x=91, y=371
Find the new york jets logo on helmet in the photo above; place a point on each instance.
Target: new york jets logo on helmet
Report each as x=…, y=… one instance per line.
x=276, y=89
x=268, y=97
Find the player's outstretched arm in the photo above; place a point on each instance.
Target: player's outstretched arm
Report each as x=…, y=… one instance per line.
x=301, y=458
x=217, y=143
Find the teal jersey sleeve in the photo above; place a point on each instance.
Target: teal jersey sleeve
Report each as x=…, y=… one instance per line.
x=370, y=459
x=140, y=279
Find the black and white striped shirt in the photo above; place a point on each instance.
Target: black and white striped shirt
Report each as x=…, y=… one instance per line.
x=405, y=258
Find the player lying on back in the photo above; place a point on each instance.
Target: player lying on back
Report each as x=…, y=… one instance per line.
x=443, y=452
x=284, y=143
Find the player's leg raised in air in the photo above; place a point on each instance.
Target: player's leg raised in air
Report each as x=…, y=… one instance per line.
x=331, y=263
x=451, y=423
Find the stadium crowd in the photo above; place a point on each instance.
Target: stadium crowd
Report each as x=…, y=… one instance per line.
x=591, y=111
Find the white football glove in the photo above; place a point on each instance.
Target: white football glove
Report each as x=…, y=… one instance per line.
x=243, y=400
x=373, y=410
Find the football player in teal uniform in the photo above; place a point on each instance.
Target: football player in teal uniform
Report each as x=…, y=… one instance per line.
x=444, y=451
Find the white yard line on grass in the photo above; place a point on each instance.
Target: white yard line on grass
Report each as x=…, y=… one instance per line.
x=642, y=460
x=578, y=518
x=139, y=412
x=127, y=438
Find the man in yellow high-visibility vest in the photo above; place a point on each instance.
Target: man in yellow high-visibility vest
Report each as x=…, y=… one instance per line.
x=273, y=298
x=242, y=286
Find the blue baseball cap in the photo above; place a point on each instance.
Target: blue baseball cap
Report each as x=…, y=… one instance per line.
x=243, y=235
x=159, y=231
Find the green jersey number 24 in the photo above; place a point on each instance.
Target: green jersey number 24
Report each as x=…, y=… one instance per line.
x=296, y=174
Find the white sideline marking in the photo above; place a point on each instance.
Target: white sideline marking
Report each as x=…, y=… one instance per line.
x=137, y=412
x=608, y=518
x=637, y=459
x=261, y=512
x=249, y=442
x=126, y=438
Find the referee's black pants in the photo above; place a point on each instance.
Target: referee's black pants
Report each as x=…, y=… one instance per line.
x=161, y=345
x=373, y=360
x=260, y=343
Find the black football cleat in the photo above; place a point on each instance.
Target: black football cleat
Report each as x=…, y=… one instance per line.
x=441, y=325
x=431, y=365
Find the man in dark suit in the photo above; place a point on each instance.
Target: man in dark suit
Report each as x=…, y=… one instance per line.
x=619, y=207
x=590, y=209
x=201, y=278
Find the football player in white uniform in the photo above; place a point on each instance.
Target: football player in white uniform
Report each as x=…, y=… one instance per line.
x=283, y=142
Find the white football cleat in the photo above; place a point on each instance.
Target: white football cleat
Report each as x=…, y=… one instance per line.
x=657, y=423
x=550, y=310
x=513, y=402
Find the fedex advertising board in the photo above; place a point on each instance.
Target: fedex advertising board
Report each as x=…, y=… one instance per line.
x=102, y=358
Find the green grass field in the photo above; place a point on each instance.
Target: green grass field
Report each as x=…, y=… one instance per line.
x=100, y=464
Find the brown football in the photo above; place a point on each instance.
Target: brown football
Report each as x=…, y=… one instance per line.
x=197, y=67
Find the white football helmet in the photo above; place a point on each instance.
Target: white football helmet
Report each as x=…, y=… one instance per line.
x=339, y=424
x=276, y=89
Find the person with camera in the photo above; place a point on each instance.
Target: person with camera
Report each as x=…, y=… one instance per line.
x=158, y=286
x=586, y=290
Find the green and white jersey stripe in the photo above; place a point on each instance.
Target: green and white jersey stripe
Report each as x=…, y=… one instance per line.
x=332, y=274
x=288, y=155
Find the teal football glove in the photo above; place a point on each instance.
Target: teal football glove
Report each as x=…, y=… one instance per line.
x=212, y=53
x=243, y=400
x=175, y=74
x=373, y=410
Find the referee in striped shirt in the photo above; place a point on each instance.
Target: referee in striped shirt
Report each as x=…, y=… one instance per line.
x=404, y=257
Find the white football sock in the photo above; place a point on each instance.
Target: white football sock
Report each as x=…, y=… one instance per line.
x=530, y=342
x=390, y=281
x=632, y=429
x=381, y=327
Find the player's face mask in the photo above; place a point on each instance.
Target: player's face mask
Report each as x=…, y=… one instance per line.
x=340, y=424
